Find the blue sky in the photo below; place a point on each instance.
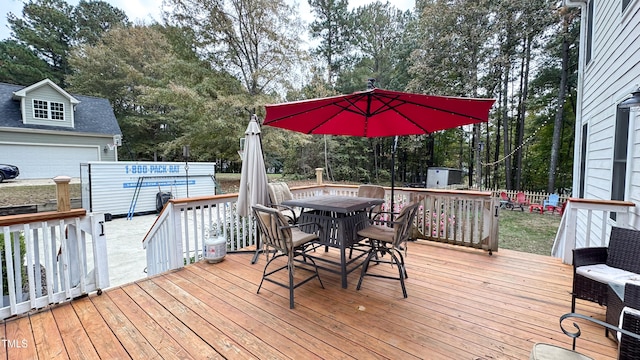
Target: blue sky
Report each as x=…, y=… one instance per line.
x=149, y=10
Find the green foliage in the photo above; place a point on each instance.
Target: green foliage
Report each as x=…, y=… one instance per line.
x=49, y=29
x=164, y=99
x=255, y=40
x=94, y=18
x=20, y=65
x=3, y=259
x=332, y=25
x=377, y=27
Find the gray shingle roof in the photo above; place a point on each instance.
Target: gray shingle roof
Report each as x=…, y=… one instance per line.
x=93, y=115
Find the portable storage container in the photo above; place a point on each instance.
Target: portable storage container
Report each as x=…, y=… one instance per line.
x=440, y=178
x=123, y=188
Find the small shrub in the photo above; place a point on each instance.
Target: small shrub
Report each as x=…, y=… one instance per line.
x=23, y=251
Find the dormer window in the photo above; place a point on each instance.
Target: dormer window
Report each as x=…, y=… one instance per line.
x=48, y=110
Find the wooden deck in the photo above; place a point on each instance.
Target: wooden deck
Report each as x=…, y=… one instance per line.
x=462, y=304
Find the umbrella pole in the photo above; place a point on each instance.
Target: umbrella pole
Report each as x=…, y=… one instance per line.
x=393, y=173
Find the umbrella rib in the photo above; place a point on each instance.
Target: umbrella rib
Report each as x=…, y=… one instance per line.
x=342, y=107
x=388, y=107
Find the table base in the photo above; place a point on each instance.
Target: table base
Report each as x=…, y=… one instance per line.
x=339, y=231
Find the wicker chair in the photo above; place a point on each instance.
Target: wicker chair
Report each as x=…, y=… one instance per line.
x=591, y=266
x=388, y=239
x=616, y=304
x=288, y=241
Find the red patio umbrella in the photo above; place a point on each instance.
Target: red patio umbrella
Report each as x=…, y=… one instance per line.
x=378, y=113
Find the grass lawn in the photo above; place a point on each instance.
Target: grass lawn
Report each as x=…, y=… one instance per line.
x=527, y=232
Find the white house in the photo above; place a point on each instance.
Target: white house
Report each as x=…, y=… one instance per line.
x=607, y=146
x=47, y=132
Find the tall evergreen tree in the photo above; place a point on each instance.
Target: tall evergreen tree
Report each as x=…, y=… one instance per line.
x=94, y=18
x=20, y=65
x=48, y=29
x=332, y=26
x=377, y=27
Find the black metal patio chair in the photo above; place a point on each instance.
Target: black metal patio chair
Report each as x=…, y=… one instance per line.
x=289, y=242
x=387, y=238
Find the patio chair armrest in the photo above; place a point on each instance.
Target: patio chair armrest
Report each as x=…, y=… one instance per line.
x=589, y=256
x=371, y=222
x=387, y=222
x=298, y=225
x=632, y=295
x=577, y=333
x=380, y=213
x=281, y=207
x=317, y=227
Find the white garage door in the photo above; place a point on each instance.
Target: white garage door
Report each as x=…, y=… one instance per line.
x=42, y=162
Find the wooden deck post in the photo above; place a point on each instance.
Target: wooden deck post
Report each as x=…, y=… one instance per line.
x=62, y=193
x=319, y=176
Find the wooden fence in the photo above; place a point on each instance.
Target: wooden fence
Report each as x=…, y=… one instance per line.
x=533, y=197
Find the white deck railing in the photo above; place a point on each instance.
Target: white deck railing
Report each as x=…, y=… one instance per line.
x=587, y=223
x=65, y=256
x=467, y=218
x=178, y=235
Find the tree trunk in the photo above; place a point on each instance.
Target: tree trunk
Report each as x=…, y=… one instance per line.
x=496, y=154
x=557, y=125
x=505, y=125
x=523, y=110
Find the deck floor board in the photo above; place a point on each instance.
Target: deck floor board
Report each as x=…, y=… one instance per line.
x=462, y=304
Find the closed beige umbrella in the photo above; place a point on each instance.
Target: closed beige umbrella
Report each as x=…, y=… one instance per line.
x=253, y=178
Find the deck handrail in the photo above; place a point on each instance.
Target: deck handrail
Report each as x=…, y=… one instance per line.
x=590, y=229
x=65, y=257
x=467, y=218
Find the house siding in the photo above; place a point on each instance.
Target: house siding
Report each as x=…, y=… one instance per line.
x=47, y=93
x=614, y=71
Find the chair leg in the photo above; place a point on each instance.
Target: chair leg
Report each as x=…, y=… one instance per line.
x=291, y=286
x=402, y=273
x=264, y=273
x=396, y=258
x=317, y=273
x=365, y=267
x=258, y=250
x=401, y=264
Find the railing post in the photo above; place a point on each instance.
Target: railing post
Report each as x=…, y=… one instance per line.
x=100, y=258
x=319, y=176
x=62, y=193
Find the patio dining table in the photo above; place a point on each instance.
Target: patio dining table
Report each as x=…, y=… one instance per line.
x=340, y=218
